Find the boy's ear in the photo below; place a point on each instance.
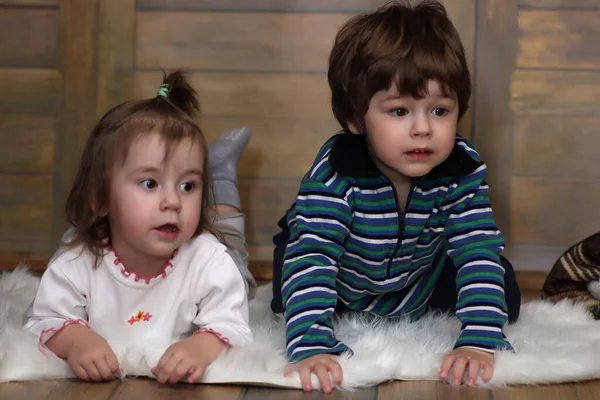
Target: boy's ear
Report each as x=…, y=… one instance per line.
x=353, y=128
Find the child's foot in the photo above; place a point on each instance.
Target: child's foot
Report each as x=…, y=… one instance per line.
x=223, y=157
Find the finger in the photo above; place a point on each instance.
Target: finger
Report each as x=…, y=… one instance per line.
x=80, y=372
x=195, y=374
x=458, y=370
x=92, y=372
x=337, y=374
x=103, y=369
x=473, y=372
x=112, y=362
x=446, y=365
x=180, y=370
x=322, y=374
x=167, y=369
x=488, y=372
x=304, y=374
x=164, y=359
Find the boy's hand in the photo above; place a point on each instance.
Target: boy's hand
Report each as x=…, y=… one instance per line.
x=189, y=357
x=321, y=365
x=87, y=353
x=470, y=361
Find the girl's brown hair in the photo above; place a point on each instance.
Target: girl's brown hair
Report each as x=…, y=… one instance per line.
x=397, y=44
x=172, y=114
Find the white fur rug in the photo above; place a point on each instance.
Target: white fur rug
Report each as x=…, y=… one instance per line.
x=556, y=343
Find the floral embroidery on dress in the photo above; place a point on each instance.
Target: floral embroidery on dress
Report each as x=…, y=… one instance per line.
x=140, y=316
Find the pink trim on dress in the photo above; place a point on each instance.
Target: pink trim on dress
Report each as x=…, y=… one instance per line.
x=53, y=332
x=217, y=334
x=137, y=278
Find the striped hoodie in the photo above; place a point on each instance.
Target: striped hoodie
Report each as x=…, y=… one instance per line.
x=349, y=244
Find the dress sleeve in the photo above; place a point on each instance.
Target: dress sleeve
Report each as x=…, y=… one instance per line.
x=59, y=301
x=223, y=303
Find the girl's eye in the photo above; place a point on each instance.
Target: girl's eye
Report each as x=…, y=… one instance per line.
x=148, y=184
x=187, y=186
x=399, y=112
x=440, y=111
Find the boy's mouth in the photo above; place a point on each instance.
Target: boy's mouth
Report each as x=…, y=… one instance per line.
x=419, y=153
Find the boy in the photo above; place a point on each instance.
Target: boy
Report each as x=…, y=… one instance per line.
x=394, y=218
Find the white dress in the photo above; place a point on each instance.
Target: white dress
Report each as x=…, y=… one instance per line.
x=199, y=289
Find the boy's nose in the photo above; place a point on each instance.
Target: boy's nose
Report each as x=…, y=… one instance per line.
x=421, y=126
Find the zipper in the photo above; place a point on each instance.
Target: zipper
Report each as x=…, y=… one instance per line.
x=401, y=226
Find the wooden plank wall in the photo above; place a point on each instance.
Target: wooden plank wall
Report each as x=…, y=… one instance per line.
x=554, y=93
x=259, y=63
x=30, y=81
x=262, y=63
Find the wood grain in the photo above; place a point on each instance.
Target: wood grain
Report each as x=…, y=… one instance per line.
x=548, y=392
x=251, y=95
x=115, y=53
x=30, y=3
x=447, y=392
x=29, y=90
x=279, y=147
x=27, y=144
x=553, y=211
x=408, y=390
x=492, y=118
x=262, y=5
x=554, y=93
x=33, y=37
x=77, y=116
x=143, y=388
x=534, y=258
x=560, y=147
x=231, y=41
x=570, y=4
x=264, y=202
x=558, y=39
x=72, y=388
x=28, y=390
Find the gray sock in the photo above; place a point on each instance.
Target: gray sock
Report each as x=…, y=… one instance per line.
x=223, y=156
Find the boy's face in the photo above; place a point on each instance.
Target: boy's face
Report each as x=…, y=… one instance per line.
x=408, y=137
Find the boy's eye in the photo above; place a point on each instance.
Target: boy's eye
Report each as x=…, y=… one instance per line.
x=399, y=112
x=187, y=186
x=439, y=111
x=148, y=184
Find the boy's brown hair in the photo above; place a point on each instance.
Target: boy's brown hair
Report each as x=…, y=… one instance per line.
x=171, y=114
x=401, y=44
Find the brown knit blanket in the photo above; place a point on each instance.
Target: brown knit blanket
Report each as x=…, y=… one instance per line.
x=578, y=267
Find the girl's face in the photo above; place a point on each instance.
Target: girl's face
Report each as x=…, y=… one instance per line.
x=155, y=199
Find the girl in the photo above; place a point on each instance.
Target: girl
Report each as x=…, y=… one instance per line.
x=142, y=263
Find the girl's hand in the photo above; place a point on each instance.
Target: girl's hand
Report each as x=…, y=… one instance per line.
x=321, y=365
x=189, y=357
x=470, y=361
x=87, y=353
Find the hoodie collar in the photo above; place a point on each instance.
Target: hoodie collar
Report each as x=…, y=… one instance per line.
x=350, y=156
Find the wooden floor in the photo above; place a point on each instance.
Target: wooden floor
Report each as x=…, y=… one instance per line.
x=148, y=389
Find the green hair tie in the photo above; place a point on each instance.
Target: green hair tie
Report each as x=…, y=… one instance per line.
x=163, y=91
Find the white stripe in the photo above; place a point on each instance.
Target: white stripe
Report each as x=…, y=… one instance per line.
x=481, y=286
x=495, y=310
x=294, y=259
x=323, y=198
x=473, y=211
x=311, y=290
x=320, y=220
x=417, y=216
x=373, y=241
x=434, y=190
x=481, y=328
x=473, y=233
x=307, y=313
x=307, y=271
x=372, y=191
x=376, y=216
